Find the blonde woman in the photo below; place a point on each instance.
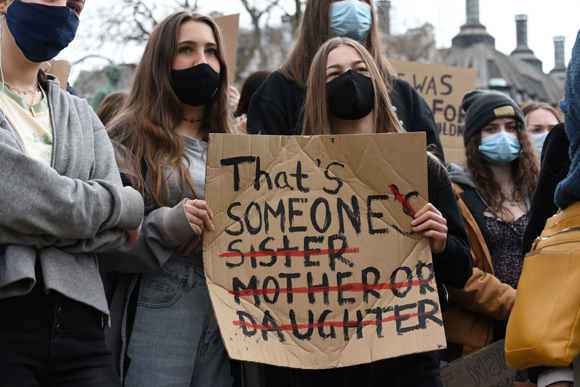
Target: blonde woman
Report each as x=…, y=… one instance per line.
x=346, y=96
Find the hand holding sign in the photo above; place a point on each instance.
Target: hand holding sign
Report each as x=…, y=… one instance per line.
x=430, y=222
x=199, y=216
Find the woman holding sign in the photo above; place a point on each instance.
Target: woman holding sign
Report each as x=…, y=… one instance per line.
x=276, y=106
x=345, y=97
x=494, y=192
x=178, y=97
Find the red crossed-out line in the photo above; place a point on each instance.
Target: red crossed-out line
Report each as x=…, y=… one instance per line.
x=336, y=324
x=354, y=287
x=291, y=253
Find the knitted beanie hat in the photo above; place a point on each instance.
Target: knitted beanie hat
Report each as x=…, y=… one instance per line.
x=483, y=106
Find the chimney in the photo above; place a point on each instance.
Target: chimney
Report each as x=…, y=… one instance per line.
x=384, y=15
x=522, y=51
x=559, y=71
x=472, y=31
x=522, y=30
x=472, y=12
x=559, y=52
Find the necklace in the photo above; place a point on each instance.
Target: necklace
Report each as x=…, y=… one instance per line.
x=510, y=200
x=33, y=91
x=18, y=91
x=193, y=121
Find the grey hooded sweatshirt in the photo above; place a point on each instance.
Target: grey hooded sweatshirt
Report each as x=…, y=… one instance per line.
x=62, y=215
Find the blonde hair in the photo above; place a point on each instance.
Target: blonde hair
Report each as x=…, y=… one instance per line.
x=316, y=114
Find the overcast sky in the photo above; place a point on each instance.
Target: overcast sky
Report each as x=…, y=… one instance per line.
x=546, y=19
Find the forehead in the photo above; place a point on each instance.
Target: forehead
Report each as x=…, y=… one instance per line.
x=196, y=31
x=343, y=54
x=542, y=115
x=502, y=120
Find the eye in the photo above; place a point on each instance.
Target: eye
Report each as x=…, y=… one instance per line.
x=75, y=8
x=362, y=70
x=185, y=49
x=332, y=75
x=511, y=128
x=489, y=129
x=212, y=51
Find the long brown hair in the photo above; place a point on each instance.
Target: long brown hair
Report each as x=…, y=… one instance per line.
x=316, y=114
x=314, y=30
x=525, y=171
x=145, y=126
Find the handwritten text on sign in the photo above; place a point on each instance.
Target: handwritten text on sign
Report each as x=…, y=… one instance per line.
x=313, y=263
x=442, y=88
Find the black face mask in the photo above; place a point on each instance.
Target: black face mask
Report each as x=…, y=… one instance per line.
x=350, y=96
x=196, y=85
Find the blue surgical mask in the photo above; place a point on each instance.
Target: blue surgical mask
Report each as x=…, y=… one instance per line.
x=500, y=148
x=41, y=31
x=350, y=19
x=539, y=141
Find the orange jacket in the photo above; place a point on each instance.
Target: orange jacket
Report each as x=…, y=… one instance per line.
x=473, y=310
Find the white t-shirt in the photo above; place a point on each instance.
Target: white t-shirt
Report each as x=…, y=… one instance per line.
x=34, y=129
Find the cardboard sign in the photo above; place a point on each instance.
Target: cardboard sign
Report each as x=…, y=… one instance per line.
x=60, y=69
x=313, y=262
x=230, y=29
x=442, y=87
x=485, y=368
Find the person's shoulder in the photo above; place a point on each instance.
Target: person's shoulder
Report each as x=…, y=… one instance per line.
x=400, y=86
x=276, y=81
x=558, y=133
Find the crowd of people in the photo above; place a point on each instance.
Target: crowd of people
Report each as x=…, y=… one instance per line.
x=103, y=215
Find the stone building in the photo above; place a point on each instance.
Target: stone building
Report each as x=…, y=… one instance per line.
x=519, y=75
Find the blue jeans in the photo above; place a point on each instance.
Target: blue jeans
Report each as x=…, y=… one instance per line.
x=175, y=339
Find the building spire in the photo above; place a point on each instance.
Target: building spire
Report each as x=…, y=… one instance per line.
x=522, y=51
x=472, y=31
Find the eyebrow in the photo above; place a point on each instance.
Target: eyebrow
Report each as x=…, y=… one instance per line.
x=211, y=44
x=352, y=64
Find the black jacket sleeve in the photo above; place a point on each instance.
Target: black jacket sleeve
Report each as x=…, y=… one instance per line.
x=415, y=114
x=454, y=266
x=555, y=167
x=276, y=107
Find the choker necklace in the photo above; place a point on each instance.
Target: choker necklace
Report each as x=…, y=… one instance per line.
x=17, y=91
x=33, y=91
x=193, y=121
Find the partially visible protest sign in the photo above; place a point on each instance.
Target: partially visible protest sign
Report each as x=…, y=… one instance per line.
x=230, y=27
x=442, y=87
x=484, y=368
x=313, y=263
x=60, y=69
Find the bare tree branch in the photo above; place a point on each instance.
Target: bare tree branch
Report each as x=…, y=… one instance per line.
x=255, y=15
